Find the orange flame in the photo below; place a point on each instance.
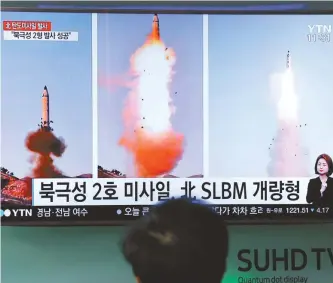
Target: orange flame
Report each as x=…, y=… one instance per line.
x=148, y=133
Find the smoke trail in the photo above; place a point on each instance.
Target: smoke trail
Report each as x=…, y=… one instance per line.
x=112, y=84
x=148, y=134
x=287, y=155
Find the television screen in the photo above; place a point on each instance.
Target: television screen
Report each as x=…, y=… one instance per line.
x=104, y=115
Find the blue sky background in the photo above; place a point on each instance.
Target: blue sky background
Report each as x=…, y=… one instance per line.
x=244, y=53
x=65, y=67
x=118, y=38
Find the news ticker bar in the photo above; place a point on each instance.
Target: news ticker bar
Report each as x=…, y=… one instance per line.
x=130, y=212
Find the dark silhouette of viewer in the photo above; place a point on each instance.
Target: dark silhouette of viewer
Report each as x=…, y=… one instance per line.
x=320, y=189
x=178, y=242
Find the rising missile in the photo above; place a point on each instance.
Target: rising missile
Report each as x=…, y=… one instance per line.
x=288, y=60
x=45, y=124
x=156, y=28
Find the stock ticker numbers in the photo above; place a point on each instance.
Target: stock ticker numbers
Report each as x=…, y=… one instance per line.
x=256, y=210
x=322, y=210
x=230, y=211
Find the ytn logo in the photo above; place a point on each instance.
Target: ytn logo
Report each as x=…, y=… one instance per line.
x=16, y=212
x=22, y=212
x=320, y=28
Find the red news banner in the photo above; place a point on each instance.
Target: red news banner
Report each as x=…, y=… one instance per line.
x=35, y=30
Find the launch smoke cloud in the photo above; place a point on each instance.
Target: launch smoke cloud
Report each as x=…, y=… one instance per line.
x=148, y=134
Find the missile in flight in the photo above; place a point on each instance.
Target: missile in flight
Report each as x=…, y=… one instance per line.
x=288, y=60
x=45, y=123
x=155, y=34
x=156, y=28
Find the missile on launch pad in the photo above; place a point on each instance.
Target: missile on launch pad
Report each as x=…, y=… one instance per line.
x=156, y=28
x=45, y=123
x=288, y=60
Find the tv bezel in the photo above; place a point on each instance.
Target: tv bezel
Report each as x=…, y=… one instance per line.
x=314, y=8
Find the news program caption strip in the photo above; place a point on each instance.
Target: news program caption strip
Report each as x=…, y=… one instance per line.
x=122, y=191
x=107, y=200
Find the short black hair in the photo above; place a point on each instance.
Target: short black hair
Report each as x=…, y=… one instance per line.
x=329, y=162
x=178, y=242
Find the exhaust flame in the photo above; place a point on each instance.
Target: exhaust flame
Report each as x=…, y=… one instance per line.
x=148, y=135
x=287, y=155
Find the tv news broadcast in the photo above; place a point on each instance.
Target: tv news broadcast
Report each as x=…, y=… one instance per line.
x=108, y=110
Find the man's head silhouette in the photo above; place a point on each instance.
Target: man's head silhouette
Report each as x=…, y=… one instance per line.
x=178, y=242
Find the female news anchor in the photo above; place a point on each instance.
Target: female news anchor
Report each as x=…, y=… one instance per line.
x=320, y=189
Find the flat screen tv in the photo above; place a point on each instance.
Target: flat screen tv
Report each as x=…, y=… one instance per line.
x=109, y=109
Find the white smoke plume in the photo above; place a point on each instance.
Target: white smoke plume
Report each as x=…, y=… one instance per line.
x=288, y=157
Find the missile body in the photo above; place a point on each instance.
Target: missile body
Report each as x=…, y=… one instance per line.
x=45, y=120
x=288, y=60
x=156, y=28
